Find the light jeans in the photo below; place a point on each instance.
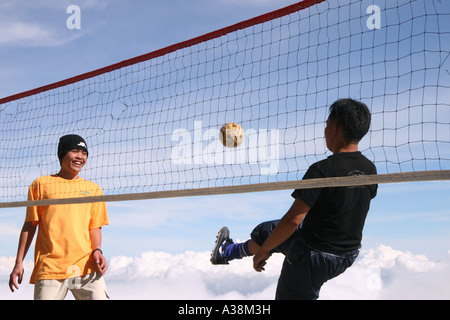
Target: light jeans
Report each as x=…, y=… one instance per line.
x=88, y=287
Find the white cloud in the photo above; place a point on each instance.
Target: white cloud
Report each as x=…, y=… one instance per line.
x=176, y=275
x=39, y=23
x=379, y=273
x=385, y=273
x=31, y=34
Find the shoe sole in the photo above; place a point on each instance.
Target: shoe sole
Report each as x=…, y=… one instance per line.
x=222, y=235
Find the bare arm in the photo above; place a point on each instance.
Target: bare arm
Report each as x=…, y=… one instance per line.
x=284, y=229
x=26, y=237
x=96, y=240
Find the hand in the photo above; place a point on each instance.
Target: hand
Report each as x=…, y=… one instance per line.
x=259, y=260
x=100, y=260
x=16, y=273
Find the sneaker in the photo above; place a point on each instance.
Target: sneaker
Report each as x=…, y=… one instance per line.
x=222, y=241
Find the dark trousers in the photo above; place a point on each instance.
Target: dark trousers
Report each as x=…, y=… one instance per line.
x=304, y=269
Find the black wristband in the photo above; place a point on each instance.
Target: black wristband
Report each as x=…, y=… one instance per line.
x=97, y=250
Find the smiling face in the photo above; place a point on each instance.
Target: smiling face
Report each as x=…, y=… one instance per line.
x=72, y=163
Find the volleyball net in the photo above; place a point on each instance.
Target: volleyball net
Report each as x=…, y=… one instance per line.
x=152, y=123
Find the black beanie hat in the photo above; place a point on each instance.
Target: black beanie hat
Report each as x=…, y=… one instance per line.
x=70, y=142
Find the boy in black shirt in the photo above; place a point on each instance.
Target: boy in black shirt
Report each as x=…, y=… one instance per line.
x=321, y=233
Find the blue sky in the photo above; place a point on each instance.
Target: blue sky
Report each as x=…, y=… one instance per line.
x=36, y=48
x=35, y=39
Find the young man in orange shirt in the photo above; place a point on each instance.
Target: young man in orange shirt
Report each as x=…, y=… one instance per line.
x=68, y=252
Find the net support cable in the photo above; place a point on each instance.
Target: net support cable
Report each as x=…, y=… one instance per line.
x=437, y=175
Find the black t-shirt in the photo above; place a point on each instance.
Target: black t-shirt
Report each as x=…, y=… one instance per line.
x=336, y=219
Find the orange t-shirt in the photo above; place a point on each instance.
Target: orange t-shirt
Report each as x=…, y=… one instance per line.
x=63, y=245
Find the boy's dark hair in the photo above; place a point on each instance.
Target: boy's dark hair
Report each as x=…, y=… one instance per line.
x=353, y=117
